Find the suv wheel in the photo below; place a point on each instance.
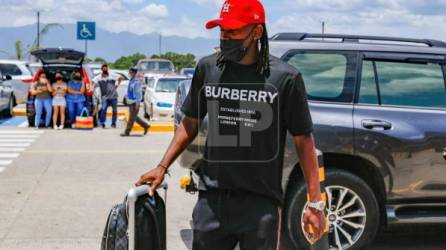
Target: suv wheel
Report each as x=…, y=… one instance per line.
x=9, y=111
x=352, y=211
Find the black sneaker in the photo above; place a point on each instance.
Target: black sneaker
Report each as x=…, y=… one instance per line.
x=113, y=125
x=103, y=125
x=146, y=130
x=125, y=135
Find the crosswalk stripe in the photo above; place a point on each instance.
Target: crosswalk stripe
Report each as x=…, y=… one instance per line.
x=15, y=144
x=10, y=155
x=20, y=132
x=24, y=124
x=3, y=136
x=12, y=149
x=5, y=162
x=16, y=140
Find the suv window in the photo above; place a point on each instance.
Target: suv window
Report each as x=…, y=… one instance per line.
x=403, y=84
x=328, y=76
x=10, y=69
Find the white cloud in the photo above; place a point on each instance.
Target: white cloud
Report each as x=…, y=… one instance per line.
x=155, y=11
x=133, y=1
x=373, y=17
x=213, y=3
x=112, y=15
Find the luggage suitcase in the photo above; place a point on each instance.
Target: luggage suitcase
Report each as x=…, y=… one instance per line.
x=132, y=197
x=137, y=223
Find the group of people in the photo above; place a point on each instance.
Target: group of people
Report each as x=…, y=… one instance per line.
x=54, y=98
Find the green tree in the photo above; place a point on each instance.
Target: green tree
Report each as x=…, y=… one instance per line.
x=179, y=60
x=100, y=60
x=19, y=50
x=42, y=33
x=125, y=62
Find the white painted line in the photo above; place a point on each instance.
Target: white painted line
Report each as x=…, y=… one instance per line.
x=5, y=162
x=5, y=155
x=16, y=140
x=2, y=169
x=3, y=136
x=23, y=125
x=21, y=132
x=12, y=149
x=15, y=145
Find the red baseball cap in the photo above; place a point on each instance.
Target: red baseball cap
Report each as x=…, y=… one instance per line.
x=236, y=14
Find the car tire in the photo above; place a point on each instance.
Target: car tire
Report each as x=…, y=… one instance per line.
x=9, y=111
x=337, y=182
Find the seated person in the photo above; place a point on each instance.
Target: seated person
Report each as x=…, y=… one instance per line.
x=59, y=102
x=75, y=97
x=41, y=90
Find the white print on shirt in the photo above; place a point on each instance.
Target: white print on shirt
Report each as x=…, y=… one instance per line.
x=240, y=94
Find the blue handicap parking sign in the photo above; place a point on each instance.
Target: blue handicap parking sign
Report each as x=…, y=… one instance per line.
x=86, y=31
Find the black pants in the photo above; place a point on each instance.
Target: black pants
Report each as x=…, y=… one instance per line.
x=222, y=218
x=133, y=117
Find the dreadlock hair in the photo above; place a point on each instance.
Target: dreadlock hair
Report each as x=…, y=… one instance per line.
x=263, y=66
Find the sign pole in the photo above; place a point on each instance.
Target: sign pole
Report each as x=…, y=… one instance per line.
x=86, y=31
x=86, y=47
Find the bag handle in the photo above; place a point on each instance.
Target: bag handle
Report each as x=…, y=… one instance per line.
x=85, y=111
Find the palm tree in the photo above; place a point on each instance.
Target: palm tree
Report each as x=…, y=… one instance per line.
x=19, y=50
x=43, y=32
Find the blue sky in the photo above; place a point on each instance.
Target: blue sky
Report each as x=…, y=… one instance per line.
x=411, y=18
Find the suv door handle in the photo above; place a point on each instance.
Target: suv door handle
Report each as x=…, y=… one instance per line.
x=370, y=124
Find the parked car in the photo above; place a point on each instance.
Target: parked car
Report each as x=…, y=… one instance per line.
x=159, y=98
x=188, y=72
x=93, y=68
x=64, y=61
x=379, y=110
x=123, y=86
x=33, y=67
x=148, y=68
x=19, y=72
x=7, y=100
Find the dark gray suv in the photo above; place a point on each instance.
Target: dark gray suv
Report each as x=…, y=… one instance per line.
x=379, y=109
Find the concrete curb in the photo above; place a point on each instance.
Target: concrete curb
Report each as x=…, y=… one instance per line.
x=22, y=112
x=154, y=126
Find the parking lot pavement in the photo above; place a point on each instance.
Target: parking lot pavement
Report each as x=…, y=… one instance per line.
x=57, y=193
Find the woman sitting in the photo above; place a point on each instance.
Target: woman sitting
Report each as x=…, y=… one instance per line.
x=75, y=97
x=59, y=102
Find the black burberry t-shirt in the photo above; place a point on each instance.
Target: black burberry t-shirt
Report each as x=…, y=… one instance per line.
x=248, y=119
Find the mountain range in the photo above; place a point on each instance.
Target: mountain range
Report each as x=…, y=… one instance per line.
x=108, y=45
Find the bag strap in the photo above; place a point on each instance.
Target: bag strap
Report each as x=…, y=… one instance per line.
x=85, y=111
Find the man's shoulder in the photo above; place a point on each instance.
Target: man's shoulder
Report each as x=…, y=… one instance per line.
x=208, y=61
x=281, y=68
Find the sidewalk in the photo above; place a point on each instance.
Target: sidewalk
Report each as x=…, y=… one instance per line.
x=162, y=125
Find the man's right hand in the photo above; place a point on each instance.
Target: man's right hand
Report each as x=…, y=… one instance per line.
x=154, y=177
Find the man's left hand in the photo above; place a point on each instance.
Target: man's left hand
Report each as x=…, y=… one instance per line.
x=316, y=219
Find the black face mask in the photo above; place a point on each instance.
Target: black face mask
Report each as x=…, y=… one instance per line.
x=77, y=78
x=59, y=78
x=234, y=50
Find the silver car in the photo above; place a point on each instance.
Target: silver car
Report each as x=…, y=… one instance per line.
x=20, y=73
x=7, y=101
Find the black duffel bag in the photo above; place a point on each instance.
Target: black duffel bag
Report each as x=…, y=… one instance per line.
x=150, y=225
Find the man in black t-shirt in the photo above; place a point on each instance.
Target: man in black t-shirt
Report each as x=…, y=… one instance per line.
x=252, y=100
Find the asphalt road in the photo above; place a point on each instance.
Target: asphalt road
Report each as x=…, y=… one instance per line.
x=56, y=189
